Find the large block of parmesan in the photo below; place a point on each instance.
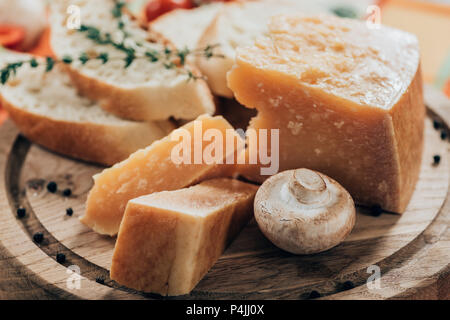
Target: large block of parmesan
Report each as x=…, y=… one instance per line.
x=347, y=99
x=155, y=169
x=169, y=240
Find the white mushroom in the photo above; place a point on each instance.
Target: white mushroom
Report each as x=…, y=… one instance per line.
x=303, y=211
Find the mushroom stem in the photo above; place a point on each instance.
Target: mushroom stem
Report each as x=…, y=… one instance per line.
x=308, y=187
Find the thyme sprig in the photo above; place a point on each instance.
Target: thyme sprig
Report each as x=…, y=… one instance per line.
x=49, y=63
x=117, y=9
x=167, y=55
x=172, y=59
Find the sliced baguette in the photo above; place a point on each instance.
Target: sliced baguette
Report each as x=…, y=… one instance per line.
x=184, y=27
x=143, y=91
x=48, y=110
x=238, y=24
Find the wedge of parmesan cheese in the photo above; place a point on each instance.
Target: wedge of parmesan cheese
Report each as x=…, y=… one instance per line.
x=161, y=167
x=347, y=99
x=169, y=240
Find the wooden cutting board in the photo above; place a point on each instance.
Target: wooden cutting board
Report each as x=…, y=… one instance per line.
x=411, y=251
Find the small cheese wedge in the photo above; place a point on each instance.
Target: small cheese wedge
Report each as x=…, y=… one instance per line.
x=169, y=240
x=154, y=169
x=346, y=98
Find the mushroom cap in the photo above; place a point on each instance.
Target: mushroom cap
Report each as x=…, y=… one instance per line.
x=303, y=211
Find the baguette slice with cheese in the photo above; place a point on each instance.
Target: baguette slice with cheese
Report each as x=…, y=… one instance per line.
x=48, y=110
x=145, y=90
x=237, y=24
x=184, y=27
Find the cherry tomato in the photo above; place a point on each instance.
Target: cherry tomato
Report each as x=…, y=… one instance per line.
x=155, y=8
x=11, y=36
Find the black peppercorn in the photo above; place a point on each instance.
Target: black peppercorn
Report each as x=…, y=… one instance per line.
x=436, y=124
x=436, y=159
x=376, y=210
x=52, y=187
x=21, y=212
x=69, y=212
x=314, y=294
x=61, y=257
x=67, y=192
x=347, y=285
x=38, y=237
x=100, y=280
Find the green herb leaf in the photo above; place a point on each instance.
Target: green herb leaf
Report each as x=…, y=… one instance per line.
x=4, y=76
x=50, y=63
x=83, y=58
x=182, y=54
x=344, y=12
x=169, y=65
x=190, y=75
x=14, y=66
x=129, y=59
x=208, y=52
x=34, y=63
x=104, y=57
x=153, y=55
x=117, y=10
x=67, y=59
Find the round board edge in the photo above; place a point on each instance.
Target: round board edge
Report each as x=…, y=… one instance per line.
x=434, y=286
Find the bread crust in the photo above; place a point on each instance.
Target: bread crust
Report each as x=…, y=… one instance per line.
x=92, y=142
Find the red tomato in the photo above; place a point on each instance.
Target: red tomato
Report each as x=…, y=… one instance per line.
x=155, y=8
x=11, y=36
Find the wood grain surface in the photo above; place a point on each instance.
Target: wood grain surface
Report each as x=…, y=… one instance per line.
x=411, y=250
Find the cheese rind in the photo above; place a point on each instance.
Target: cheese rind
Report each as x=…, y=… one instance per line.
x=347, y=96
x=169, y=240
x=152, y=170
